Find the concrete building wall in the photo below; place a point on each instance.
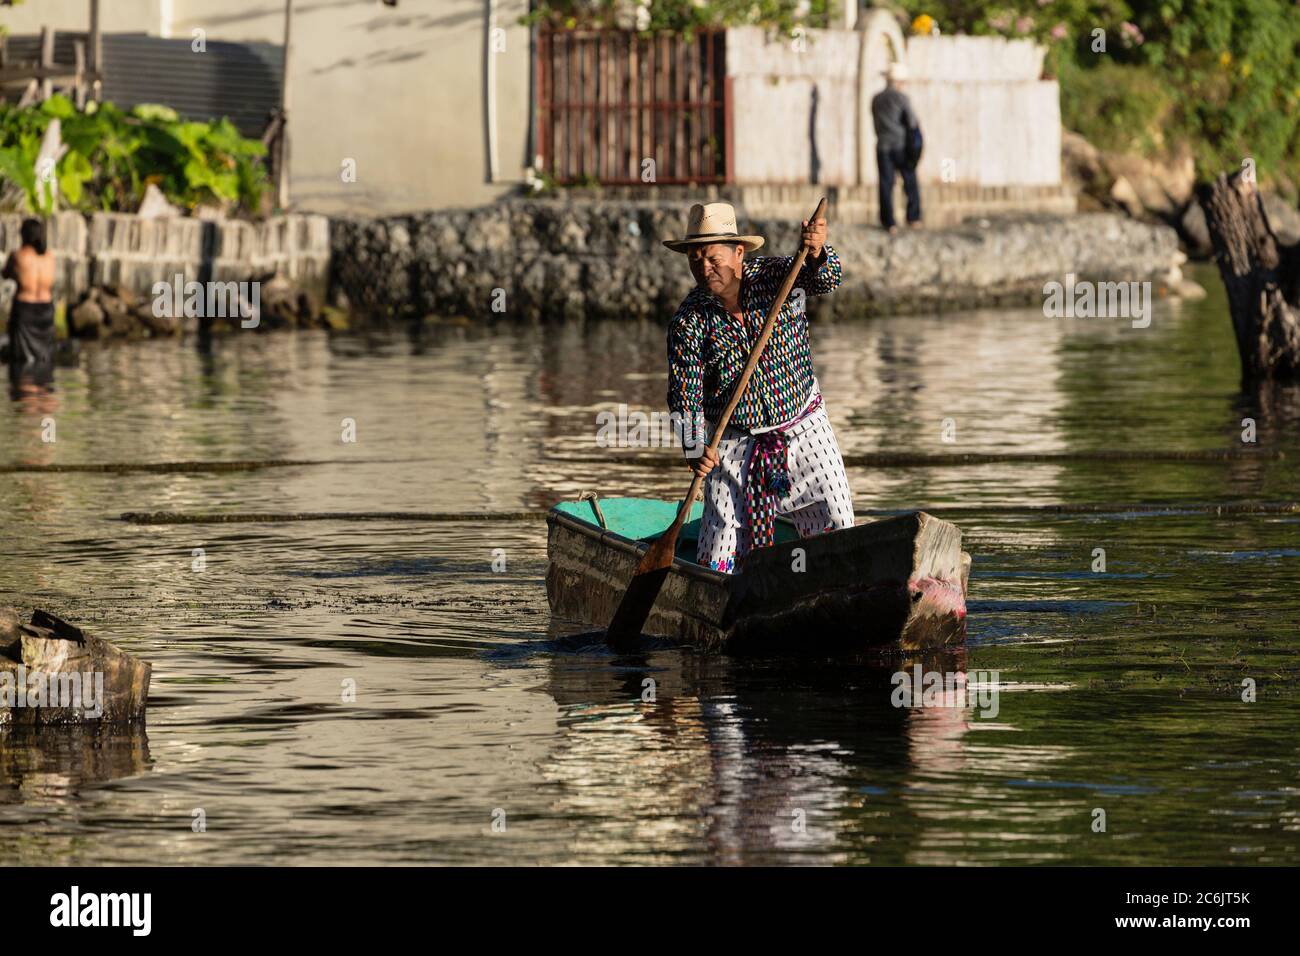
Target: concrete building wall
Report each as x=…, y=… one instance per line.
x=402, y=93
x=400, y=90
x=111, y=249
x=117, y=16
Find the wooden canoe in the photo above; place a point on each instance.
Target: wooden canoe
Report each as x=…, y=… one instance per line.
x=898, y=583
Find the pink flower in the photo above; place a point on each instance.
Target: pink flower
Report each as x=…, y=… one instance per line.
x=1131, y=33
x=1059, y=31
x=1024, y=24
x=1000, y=22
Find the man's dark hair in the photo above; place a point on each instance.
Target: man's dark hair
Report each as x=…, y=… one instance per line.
x=33, y=233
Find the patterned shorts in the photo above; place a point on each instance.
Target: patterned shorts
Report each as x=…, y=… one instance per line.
x=819, y=498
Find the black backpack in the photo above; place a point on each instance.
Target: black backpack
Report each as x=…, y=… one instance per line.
x=912, y=148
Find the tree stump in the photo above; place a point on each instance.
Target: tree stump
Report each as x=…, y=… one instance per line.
x=1261, y=276
x=81, y=679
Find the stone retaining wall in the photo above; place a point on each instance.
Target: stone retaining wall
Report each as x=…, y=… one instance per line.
x=111, y=249
x=605, y=260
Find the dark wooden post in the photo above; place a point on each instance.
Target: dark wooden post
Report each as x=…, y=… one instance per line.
x=1261, y=276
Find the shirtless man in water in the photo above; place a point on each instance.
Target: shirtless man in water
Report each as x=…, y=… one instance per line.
x=31, y=319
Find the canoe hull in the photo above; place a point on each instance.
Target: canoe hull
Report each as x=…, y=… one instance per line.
x=896, y=583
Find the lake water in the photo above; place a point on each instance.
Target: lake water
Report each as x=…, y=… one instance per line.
x=1118, y=691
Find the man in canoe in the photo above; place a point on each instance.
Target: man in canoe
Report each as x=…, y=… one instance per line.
x=778, y=455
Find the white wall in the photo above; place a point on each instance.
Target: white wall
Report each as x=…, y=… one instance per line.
x=773, y=127
x=983, y=105
x=974, y=59
x=118, y=16
x=400, y=90
x=980, y=101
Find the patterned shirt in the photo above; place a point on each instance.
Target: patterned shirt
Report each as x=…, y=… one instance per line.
x=708, y=348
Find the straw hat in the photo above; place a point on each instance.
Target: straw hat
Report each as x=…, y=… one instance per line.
x=896, y=71
x=712, y=222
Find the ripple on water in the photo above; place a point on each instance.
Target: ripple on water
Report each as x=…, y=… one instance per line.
x=370, y=692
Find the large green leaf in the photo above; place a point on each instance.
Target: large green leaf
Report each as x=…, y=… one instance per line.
x=112, y=154
x=74, y=171
x=60, y=106
x=17, y=167
x=156, y=112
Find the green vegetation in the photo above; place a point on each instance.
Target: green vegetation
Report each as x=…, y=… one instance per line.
x=1218, y=77
x=112, y=156
x=682, y=16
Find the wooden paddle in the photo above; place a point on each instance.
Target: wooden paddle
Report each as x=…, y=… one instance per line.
x=649, y=576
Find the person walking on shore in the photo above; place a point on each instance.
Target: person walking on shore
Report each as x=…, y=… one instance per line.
x=895, y=123
x=778, y=455
x=31, y=317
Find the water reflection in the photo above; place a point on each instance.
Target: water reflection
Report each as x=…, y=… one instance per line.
x=765, y=760
x=52, y=767
x=1120, y=686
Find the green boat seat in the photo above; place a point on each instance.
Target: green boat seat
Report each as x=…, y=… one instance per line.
x=643, y=519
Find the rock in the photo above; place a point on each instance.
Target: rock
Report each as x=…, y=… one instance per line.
x=310, y=308
x=335, y=318
x=87, y=318
x=1148, y=189
x=154, y=205
x=118, y=312
x=1125, y=196
x=1193, y=231
x=279, y=304
x=578, y=258
x=1081, y=167
x=129, y=298
x=10, y=630
x=118, y=317
x=54, y=673
x=279, y=314
x=1283, y=218
x=488, y=235
x=1162, y=188
x=161, y=325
